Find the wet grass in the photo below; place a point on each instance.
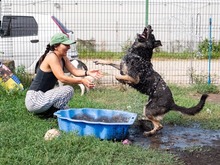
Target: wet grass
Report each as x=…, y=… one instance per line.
x=21, y=133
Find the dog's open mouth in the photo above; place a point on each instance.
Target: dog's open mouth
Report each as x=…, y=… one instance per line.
x=146, y=33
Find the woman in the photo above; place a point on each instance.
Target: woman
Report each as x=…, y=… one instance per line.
x=42, y=98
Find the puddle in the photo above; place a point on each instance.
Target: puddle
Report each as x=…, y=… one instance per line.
x=175, y=137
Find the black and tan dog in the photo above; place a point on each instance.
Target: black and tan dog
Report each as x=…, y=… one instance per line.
x=137, y=71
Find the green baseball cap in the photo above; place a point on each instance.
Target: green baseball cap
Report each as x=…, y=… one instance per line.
x=60, y=38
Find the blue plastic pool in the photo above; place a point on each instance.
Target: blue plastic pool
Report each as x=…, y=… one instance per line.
x=101, y=123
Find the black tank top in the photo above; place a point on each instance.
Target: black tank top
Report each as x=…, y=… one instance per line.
x=43, y=81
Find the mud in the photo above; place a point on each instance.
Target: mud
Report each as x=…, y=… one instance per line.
x=174, y=137
x=105, y=119
x=190, y=145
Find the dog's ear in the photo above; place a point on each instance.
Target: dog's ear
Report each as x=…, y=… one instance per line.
x=157, y=43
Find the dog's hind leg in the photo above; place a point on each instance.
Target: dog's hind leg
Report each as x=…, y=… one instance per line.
x=126, y=79
x=156, y=124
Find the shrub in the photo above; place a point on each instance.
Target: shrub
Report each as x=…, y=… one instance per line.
x=206, y=88
x=204, y=48
x=23, y=76
x=86, y=45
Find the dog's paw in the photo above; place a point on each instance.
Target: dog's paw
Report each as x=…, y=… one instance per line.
x=160, y=127
x=143, y=118
x=99, y=62
x=96, y=62
x=152, y=132
x=148, y=133
x=121, y=81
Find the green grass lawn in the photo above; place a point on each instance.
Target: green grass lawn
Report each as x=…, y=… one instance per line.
x=22, y=142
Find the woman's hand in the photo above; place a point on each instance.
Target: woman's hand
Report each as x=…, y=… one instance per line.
x=88, y=83
x=95, y=73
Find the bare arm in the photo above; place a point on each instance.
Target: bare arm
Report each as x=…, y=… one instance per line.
x=52, y=63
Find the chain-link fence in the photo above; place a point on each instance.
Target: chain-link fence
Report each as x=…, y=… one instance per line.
x=109, y=25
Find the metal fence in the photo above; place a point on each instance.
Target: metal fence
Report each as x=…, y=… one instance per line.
x=180, y=25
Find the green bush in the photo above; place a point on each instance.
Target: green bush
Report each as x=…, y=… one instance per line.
x=23, y=76
x=206, y=88
x=204, y=48
x=86, y=45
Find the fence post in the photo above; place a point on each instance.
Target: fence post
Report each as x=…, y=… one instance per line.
x=210, y=50
x=146, y=12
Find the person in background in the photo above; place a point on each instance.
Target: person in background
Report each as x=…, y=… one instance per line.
x=42, y=98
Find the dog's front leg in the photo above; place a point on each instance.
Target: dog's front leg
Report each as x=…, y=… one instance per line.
x=103, y=62
x=126, y=79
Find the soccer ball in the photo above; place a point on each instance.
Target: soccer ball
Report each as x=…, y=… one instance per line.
x=51, y=133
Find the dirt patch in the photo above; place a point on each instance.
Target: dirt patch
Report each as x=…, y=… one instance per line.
x=207, y=153
x=213, y=98
x=175, y=137
x=202, y=156
x=191, y=145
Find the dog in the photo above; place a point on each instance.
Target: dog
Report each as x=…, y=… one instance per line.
x=137, y=71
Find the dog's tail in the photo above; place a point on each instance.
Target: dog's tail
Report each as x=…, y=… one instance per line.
x=193, y=110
